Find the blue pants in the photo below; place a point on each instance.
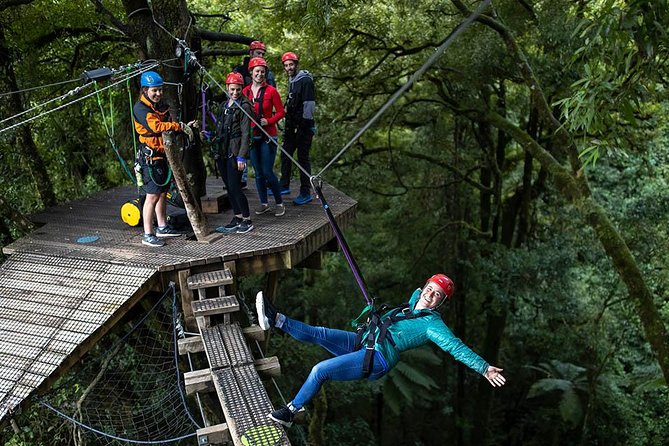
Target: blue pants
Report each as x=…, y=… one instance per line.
x=345, y=366
x=263, y=154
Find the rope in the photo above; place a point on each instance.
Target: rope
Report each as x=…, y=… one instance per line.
x=172, y=287
x=316, y=184
x=171, y=290
x=430, y=61
x=251, y=117
x=357, y=274
x=110, y=131
x=169, y=175
x=71, y=92
x=104, y=434
x=41, y=86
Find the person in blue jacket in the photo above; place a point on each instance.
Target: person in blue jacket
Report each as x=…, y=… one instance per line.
x=376, y=349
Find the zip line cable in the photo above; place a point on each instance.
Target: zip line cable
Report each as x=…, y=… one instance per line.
x=55, y=84
x=196, y=62
x=70, y=93
x=430, y=61
x=316, y=179
x=63, y=96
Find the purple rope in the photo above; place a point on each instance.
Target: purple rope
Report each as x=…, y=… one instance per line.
x=342, y=243
x=204, y=109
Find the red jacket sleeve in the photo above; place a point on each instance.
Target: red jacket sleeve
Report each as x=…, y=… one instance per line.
x=278, y=106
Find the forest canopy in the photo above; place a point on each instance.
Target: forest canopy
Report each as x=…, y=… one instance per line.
x=530, y=164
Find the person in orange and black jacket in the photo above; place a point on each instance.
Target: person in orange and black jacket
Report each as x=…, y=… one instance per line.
x=268, y=110
x=152, y=118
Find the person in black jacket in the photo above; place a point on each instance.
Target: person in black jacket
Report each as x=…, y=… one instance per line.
x=299, y=126
x=233, y=137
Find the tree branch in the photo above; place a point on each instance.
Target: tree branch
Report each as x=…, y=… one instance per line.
x=214, y=36
x=99, y=8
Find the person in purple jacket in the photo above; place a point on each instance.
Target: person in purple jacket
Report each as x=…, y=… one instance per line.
x=375, y=349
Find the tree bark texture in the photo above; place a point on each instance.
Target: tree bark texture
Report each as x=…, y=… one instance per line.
x=195, y=215
x=28, y=148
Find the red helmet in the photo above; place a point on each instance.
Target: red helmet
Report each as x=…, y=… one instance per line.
x=257, y=62
x=234, y=78
x=289, y=56
x=257, y=45
x=444, y=282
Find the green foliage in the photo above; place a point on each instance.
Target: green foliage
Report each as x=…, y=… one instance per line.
x=418, y=176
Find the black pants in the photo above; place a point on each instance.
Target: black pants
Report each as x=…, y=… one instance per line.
x=300, y=140
x=233, y=182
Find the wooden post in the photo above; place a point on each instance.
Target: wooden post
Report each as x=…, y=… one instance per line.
x=195, y=215
x=187, y=300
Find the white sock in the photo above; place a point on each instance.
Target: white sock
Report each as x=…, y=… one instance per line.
x=292, y=408
x=279, y=320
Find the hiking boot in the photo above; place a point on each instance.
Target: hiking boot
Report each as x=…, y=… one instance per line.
x=264, y=207
x=166, y=231
x=283, y=416
x=302, y=199
x=280, y=210
x=230, y=227
x=152, y=240
x=266, y=312
x=245, y=226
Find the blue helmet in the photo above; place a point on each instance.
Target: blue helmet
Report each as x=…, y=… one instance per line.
x=151, y=79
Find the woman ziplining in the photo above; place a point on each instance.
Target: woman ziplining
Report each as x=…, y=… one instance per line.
x=375, y=349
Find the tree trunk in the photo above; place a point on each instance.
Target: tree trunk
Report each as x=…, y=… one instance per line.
x=28, y=148
x=158, y=43
x=195, y=215
x=15, y=216
x=318, y=417
x=576, y=189
x=574, y=186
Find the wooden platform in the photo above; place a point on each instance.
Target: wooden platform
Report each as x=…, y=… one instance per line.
x=58, y=296
x=276, y=242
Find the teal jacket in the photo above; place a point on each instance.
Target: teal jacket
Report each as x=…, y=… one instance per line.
x=412, y=333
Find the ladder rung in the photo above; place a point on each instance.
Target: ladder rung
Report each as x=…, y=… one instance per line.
x=210, y=279
x=216, y=305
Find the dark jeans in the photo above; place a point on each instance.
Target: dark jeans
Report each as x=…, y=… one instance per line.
x=233, y=182
x=263, y=155
x=300, y=140
x=345, y=366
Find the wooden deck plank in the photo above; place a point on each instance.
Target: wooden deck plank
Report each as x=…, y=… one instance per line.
x=58, y=296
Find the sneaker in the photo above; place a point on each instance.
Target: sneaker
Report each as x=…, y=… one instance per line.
x=302, y=199
x=244, y=227
x=244, y=185
x=152, y=240
x=264, y=207
x=266, y=312
x=280, y=210
x=230, y=227
x=283, y=416
x=166, y=231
